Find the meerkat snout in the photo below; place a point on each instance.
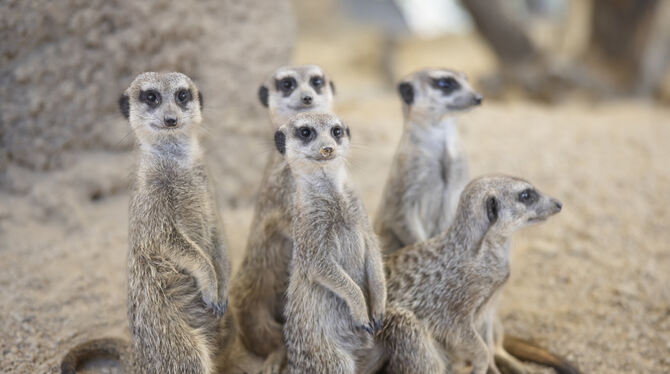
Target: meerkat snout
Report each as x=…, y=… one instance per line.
x=477, y=99
x=307, y=100
x=170, y=121
x=326, y=151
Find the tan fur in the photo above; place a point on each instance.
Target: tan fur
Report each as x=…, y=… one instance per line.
x=443, y=291
x=430, y=169
x=259, y=287
x=336, y=294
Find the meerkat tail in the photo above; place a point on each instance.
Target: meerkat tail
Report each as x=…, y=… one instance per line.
x=104, y=347
x=527, y=351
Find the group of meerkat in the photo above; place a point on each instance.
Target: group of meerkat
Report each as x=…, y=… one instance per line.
x=320, y=288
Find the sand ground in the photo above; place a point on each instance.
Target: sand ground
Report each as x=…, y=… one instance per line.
x=591, y=284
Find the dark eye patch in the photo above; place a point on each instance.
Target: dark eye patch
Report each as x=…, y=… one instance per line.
x=317, y=83
x=528, y=196
x=151, y=97
x=305, y=133
x=286, y=85
x=183, y=97
x=447, y=84
x=337, y=132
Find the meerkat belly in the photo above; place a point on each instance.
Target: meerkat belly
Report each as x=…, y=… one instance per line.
x=434, y=188
x=311, y=304
x=431, y=206
x=157, y=286
x=182, y=292
x=351, y=255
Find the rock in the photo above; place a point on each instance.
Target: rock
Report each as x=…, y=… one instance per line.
x=64, y=64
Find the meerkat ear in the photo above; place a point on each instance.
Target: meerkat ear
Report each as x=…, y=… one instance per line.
x=124, y=105
x=200, y=99
x=332, y=87
x=406, y=92
x=348, y=133
x=492, y=207
x=280, y=141
x=263, y=95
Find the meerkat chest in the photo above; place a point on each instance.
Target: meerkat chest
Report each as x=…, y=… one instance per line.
x=171, y=197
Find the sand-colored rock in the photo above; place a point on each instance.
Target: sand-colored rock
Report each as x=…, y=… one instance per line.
x=63, y=65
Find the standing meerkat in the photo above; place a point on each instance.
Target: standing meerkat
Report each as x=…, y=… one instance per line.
x=336, y=294
x=178, y=269
x=258, y=289
x=430, y=169
x=443, y=291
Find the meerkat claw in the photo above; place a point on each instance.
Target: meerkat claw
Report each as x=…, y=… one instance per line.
x=368, y=328
x=218, y=308
x=378, y=322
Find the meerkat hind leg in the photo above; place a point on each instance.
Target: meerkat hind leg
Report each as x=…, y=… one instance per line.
x=410, y=346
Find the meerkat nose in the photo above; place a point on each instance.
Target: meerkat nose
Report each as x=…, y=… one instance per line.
x=326, y=151
x=558, y=205
x=478, y=99
x=307, y=99
x=170, y=121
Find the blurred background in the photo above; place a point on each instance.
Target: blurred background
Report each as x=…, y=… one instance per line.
x=577, y=96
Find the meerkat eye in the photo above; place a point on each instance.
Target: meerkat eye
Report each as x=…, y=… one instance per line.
x=305, y=132
x=151, y=98
x=287, y=84
x=337, y=131
x=183, y=96
x=528, y=196
x=316, y=82
x=446, y=84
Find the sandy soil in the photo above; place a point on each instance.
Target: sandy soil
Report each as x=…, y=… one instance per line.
x=590, y=284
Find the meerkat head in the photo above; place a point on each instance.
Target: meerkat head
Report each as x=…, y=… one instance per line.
x=433, y=93
x=162, y=105
x=506, y=204
x=311, y=141
x=296, y=89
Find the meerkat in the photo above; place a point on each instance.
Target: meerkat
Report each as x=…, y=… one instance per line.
x=296, y=89
x=259, y=286
x=178, y=268
x=336, y=294
x=430, y=168
x=442, y=292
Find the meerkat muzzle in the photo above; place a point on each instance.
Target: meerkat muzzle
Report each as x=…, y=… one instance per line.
x=327, y=151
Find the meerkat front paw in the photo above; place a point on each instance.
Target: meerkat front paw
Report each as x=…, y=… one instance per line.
x=362, y=321
x=377, y=312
